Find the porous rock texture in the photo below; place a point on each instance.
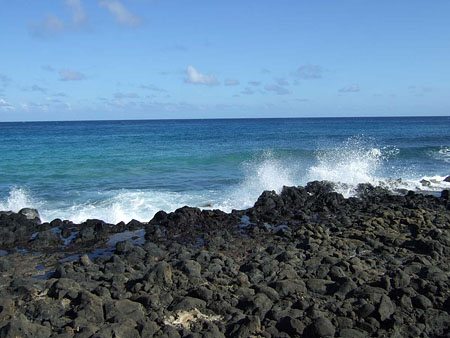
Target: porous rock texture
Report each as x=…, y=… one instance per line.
x=303, y=263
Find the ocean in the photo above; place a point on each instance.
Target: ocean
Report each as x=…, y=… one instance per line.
x=123, y=170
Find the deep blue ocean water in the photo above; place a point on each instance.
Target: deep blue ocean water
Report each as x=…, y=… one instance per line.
x=119, y=170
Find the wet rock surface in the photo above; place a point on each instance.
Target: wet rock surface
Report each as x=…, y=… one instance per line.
x=303, y=263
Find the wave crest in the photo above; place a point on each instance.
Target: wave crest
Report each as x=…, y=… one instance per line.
x=444, y=154
x=18, y=198
x=263, y=173
x=355, y=161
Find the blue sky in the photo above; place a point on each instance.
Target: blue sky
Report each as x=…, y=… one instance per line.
x=144, y=59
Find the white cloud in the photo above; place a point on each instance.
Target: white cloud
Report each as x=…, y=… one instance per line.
x=33, y=106
x=247, y=91
x=79, y=16
x=153, y=88
x=282, y=81
x=254, y=83
x=60, y=94
x=308, y=72
x=48, y=104
x=354, y=88
x=53, y=25
x=195, y=77
x=279, y=90
x=70, y=75
x=126, y=96
x=49, y=26
x=36, y=88
x=121, y=13
x=5, y=105
x=231, y=82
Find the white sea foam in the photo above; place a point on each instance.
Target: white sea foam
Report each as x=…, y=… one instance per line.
x=125, y=206
x=443, y=154
x=356, y=161
x=113, y=207
x=265, y=173
x=430, y=183
x=17, y=199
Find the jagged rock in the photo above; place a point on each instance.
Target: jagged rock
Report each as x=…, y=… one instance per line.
x=46, y=240
x=352, y=333
x=191, y=268
x=321, y=327
x=249, y=326
x=31, y=214
x=65, y=288
x=189, y=303
x=445, y=194
x=305, y=262
x=386, y=308
x=122, y=310
x=90, y=307
x=85, y=260
x=161, y=274
x=291, y=326
x=422, y=302
x=124, y=329
x=258, y=304
x=20, y=326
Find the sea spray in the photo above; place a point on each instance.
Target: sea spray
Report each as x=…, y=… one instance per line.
x=442, y=154
x=265, y=172
x=356, y=160
x=125, y=205
x=112, y=207
x=17, y=199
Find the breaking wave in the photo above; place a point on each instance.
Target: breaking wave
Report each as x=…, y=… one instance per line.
x=17, y=199
x=354, y=161
x=263, y=173
x=357, y=160
x=443, y=154
x=113, y=207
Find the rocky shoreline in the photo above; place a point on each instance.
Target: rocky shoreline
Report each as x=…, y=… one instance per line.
x=303, y=263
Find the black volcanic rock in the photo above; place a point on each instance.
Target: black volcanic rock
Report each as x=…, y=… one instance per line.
x=306, y=262
x=16, y=229
x=31, y=214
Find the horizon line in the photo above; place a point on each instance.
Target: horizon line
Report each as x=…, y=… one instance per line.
x=230, y=118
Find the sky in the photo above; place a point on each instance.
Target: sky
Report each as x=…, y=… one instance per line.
x=164, y=59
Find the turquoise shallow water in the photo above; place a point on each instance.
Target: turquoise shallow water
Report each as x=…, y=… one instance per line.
x=119, y=170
